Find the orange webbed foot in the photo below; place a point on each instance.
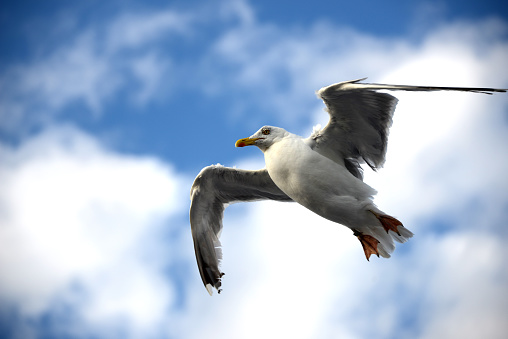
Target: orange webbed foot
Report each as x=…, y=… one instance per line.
x=369, y=244
x=388, y=222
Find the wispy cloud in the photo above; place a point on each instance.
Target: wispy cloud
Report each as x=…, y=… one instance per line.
x=90, y=68
x=134, y=30
x=285, y=65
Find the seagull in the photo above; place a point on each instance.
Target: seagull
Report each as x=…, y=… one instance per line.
x=321, y=172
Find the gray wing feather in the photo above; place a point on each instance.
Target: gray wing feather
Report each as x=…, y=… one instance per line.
x=214, y=188
x=360, y=119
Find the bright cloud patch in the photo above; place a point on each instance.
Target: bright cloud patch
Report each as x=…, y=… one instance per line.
x=78, y=224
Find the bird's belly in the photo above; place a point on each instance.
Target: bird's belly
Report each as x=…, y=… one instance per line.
x=313, y=180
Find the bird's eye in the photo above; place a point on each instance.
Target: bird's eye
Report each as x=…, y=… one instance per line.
x=265, y=131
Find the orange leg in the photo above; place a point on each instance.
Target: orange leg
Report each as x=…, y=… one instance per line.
x=369, y=244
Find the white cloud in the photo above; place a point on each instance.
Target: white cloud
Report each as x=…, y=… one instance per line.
x=285, y=66
x=141, y=29
x=464, y=295
x=76, y=215
x=75, y=72
x=90, y=68
x=238, y=9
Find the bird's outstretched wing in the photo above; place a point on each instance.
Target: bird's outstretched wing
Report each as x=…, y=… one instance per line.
x=214, y=188
x=360, y=119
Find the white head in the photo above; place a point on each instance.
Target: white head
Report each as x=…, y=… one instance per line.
x=263, y=138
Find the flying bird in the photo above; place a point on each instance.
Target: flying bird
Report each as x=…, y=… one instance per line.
x=321, y=172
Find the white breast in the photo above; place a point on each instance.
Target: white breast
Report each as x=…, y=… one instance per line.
x=304, y=174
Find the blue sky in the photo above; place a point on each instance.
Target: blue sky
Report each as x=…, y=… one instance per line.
x=108, y=110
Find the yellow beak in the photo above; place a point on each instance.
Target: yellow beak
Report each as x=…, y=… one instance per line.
x=246, y=142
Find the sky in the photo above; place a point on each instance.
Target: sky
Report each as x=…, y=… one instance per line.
x=109, y=110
